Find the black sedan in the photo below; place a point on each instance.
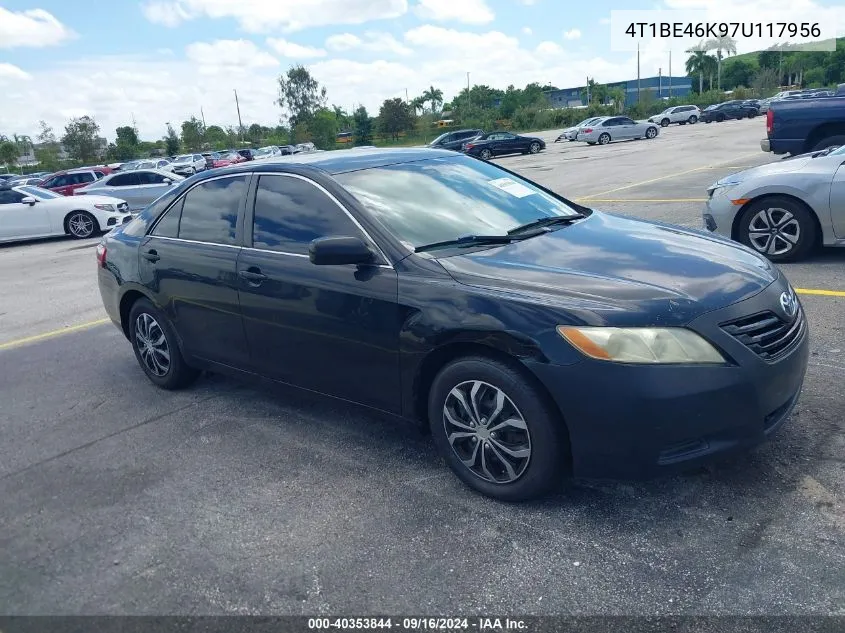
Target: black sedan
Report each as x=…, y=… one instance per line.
x=492, y=144
x=446, y=290
x=729, y=110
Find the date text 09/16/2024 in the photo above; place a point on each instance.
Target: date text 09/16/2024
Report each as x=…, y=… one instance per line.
x=723, y=29
x=417, y=624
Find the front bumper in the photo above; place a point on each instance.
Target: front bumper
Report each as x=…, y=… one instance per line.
x=641, y=421
x=720, y=212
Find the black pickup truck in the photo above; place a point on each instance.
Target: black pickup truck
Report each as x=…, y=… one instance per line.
x=805, y=125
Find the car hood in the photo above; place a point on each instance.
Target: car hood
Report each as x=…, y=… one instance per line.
x=98, y=199
x=619, y=271
x=778, y=167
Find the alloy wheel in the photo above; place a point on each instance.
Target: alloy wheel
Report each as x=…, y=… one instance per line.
x=485, y=154
x=487, y=432
x=535, y=147
x=152, y=345
x=774, y=231
x=81, y=225
x=604, y=139
x=651, y=132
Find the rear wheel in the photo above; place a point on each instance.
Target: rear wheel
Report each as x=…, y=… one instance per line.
x=778, y=227
x=752, y=114
x=495, y=430
x=604, y=139
x=692, y=120
x=156, y=347
x=81, y=225
x=485, y=154
x=651, y=132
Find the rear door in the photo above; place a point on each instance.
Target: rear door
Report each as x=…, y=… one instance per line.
x=124, y=186
x=151, y=185
x=333, y=329
x=189, y=262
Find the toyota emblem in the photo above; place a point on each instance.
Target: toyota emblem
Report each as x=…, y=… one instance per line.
x=789, y=304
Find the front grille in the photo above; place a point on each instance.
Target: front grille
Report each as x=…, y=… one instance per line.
x=766, y=334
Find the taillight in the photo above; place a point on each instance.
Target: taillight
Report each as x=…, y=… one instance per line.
x=587, y=130
x=101, y=255
x=770, y=120
x=469, y=145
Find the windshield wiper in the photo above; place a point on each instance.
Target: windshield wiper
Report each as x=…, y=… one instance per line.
x=475, y=240
x=545, y=222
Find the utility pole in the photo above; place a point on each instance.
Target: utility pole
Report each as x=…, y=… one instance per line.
x=638, y=73
x=660, y=83
x=406, y=96
x=202, y=114
x=670, y=73
x=588, y=90
x=468, y=99
x=240, y=123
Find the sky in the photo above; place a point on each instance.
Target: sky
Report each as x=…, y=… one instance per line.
x=160, y=61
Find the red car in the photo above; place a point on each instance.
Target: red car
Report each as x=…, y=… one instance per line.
x=65, y=182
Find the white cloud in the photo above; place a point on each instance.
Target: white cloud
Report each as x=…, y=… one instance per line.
x=604, y=21
x=263, y=16
x=526, y=30
x=13, y=72
x=35, y=28
x=293, y=50
x=238, y=54
x=528, y=2
x=467, y=11
x=548, y=48
x=572, y=34
x=372, y=41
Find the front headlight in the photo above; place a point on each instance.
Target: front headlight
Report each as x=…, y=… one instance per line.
x=721, y=186
x=105, y=207
x=641, y=345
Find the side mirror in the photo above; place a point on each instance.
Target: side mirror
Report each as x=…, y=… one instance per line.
x=167, y=181
x=339, y=251
x=29, y=200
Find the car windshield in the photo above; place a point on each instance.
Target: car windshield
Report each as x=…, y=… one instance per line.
x=38, y=192
x=183, y=159
x=839, y=151
x=439, y=138
x=446, y=198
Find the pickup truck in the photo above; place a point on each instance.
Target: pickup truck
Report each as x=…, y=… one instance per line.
x=805, y=125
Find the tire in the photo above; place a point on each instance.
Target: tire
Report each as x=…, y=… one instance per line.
x=692, y=120
x=797, y=232
x=146, y=321
x=81, y=225
x=193, y=170
x=721, y=119
x=604, y=138
x=664, y=123
x=828, y=142
x=534, y=148
x=651, y=132
x=752, y=114
x=531, y=475
x=485, y=154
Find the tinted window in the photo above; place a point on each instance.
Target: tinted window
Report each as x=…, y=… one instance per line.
x=124, y=180
x=198, y=157
x=99, y=174
x=58, y=181
x=210, y=211
x=290, y=213
x=611, y=123
x=10, y=197
x=624, y=121
x=81, y=178
x=168, y=224
x=150, y=178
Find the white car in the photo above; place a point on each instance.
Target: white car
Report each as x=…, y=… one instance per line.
x=161, y=164
x=31, y=212
x=264, y=153
x=188, y=164
x=677, y=114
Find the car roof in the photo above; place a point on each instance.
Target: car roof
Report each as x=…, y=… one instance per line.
x=339, y=161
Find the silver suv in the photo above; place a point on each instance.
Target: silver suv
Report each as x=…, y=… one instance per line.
x=677, y=114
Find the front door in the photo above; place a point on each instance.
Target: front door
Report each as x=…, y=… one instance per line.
x=189, y=262
x=333, y=329
x=19, y=220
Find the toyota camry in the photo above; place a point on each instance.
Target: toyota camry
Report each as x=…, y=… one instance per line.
x=535, y=337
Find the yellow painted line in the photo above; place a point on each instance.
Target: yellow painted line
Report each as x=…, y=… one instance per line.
x=52, y=334
x=668, y=176
x=823, y=293
x=641, y=200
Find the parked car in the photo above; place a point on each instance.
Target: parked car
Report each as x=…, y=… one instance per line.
x=7, y=176
x=616, y=128
x=65, y=182
x=138, y=187
x=247, y=153
x=784, y=209
x=677, y=114
x=288, y=150
x=304, y=147
x=570, y=133
x=161, y=164
x=804, y=125
x=28, y=212
x=455, y=139
x=264, y=153
x=728, y=110
x=492, y=310
x=24, y=180
x=188, y=164
x=499, y=143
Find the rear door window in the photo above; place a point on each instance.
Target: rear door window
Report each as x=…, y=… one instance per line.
x=210, y=210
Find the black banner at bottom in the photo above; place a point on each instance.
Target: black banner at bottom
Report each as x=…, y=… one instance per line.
x=384, y=623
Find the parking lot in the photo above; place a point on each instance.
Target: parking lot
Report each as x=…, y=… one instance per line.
x=239, y=498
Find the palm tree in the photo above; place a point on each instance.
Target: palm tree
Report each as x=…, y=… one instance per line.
x=617, y=96
x=418, y=103
x=434, y=96
x=697, y=64
x=721, y=44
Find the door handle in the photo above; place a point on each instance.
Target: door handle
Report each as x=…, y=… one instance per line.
x=151, y=255
x=252, y=275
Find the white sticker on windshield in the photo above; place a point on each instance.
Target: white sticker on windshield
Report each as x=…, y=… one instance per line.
x=512, y=187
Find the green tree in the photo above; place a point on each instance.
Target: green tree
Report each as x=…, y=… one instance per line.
x=344, y=121
x=193, y=134
x=171, y=141
x=434, y=96
x=255, y=134
x=300, y=95
x=765, y=81
x=737, y=72
x=363, y=126
x=216, y=136
x=9, y=154
x=617, y=96
x=324, y=129
x=80, y=139
x=722, y=44
x=126, y=144
x=698, y=63
x=418, y=104
x=394, y=117
x=510, y=102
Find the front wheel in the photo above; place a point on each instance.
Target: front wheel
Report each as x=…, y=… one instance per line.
x=485, y=154
x=82, y=225
x=193, y=170
x=664, y=123
x=651, y=132
x=752, y=114
x=495, y=430
x=604, y=139
x=156, y=347
x=534, y=148
x=778, y=227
